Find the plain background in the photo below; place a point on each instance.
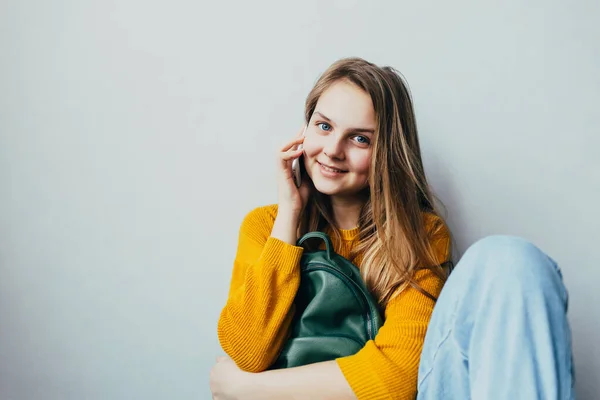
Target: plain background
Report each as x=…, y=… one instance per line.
x=135, y=136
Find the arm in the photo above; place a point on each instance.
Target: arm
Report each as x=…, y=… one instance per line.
x=385, y=368
x=316, y=381
x=254, y=323
x=388, y=366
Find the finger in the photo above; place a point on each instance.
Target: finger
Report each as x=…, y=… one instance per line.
x=296, y=141
x=291, y=154
x=221, y=358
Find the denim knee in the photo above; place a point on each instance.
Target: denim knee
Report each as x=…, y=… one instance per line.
x=511, y=261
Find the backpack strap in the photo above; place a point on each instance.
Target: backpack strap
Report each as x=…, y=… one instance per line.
x=319, y=235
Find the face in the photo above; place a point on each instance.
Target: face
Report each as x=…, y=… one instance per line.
x=338, y=143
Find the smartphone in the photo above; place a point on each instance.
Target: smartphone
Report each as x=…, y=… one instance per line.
x=296, y=167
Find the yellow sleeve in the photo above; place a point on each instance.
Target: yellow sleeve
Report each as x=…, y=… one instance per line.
x=387, y=367
x=255, y=321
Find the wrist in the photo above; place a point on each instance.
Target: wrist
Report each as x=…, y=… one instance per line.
x=285, y=227
x=288, y=213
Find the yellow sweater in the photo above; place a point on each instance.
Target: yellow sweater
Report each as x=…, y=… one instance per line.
x=256, y=319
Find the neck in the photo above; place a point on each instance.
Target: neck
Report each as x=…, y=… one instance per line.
x=346, y=211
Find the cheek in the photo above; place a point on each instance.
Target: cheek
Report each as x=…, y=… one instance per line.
x=311, y=148
x=363, y=164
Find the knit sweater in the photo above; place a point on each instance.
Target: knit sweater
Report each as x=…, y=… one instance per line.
x=256, y=319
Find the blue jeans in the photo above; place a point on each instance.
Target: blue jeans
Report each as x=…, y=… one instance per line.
x=499, y=329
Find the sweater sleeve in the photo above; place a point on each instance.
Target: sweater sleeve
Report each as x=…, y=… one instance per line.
x=387, y=367
x=255, y=321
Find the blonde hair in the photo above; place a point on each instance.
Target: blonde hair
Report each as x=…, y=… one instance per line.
x=392, y=234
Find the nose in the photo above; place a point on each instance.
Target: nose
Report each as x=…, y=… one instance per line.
x=333, y=147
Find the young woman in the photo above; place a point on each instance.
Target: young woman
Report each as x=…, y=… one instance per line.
x=499, y=329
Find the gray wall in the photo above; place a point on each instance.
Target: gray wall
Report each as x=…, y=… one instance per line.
x=135, y=135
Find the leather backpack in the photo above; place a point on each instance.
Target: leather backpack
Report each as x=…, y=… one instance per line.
x=335, y=315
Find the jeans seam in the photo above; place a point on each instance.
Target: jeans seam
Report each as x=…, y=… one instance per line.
x=435, y=354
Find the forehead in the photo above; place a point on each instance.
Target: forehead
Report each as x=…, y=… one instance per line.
x=347, y=105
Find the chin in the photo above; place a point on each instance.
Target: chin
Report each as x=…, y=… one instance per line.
x=327, y=189
x=332, y=188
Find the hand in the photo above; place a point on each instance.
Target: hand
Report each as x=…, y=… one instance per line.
x=226, y=379
x=291, y=198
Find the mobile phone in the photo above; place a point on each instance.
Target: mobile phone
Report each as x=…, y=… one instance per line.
x=296, y=167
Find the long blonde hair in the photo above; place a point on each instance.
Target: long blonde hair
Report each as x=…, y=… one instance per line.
x=393, y=234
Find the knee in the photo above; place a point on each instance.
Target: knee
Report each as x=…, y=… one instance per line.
x=507, y=248
x=511, y=260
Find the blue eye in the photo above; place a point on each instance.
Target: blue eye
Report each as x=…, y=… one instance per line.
x=324, y=126
x=362, y=139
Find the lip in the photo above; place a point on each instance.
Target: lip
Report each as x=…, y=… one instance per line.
x=328, y=172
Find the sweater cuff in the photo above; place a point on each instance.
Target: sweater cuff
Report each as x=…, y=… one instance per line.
x=283, y=256
x=361, y=374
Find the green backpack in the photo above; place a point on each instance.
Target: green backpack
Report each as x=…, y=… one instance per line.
x=335, y=315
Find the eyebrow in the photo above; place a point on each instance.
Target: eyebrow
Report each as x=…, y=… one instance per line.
x=361, y=130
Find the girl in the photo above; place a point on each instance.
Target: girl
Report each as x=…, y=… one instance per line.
x=364, y=184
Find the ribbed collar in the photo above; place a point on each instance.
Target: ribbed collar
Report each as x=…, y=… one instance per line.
x=349, y=234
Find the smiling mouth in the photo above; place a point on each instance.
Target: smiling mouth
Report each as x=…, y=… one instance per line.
x=331, y=169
